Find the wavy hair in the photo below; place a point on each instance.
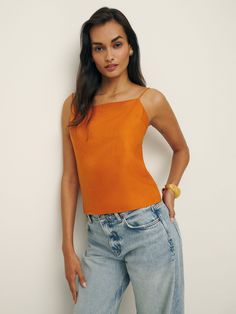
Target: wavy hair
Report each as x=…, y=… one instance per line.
x=88, y=78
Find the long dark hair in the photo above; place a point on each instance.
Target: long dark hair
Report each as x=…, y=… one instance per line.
x=88, y=77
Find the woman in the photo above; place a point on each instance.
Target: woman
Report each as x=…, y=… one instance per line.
x=133, y=235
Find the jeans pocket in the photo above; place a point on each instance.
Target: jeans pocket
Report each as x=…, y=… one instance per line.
x=143, y=220
x=166, y=214
x=163, y=213
x=177, y=228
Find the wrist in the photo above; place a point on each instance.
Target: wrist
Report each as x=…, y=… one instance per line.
x=167, y=190
x=173, y=187
x=67, y=248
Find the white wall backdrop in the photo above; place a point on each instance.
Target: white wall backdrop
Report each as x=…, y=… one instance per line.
x=188, y=53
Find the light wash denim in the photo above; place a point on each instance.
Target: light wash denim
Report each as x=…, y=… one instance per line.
x=142, y=246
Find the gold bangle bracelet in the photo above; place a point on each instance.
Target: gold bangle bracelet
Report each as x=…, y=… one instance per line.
x=174, y=188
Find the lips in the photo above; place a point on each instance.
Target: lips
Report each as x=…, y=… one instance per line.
x=111, y=66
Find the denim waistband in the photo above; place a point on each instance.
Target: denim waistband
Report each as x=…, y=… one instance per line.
x=120, y=215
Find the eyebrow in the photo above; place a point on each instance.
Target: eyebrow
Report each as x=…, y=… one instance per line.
x=114, y=39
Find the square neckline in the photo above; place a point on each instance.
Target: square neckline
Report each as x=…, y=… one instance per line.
x=139, y=103
x=115, y=102
x=121, y=101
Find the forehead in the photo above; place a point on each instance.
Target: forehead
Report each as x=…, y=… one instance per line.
x=106, y=32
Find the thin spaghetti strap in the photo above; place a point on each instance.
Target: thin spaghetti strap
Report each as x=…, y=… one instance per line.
x=145, y=89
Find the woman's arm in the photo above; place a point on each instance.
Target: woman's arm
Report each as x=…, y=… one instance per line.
x=69, y=196
x=164, y=120
x=69, y=182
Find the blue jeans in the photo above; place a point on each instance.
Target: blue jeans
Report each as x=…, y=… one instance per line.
x=141, y=246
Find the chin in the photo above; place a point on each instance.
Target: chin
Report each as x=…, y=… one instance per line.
x=111, y=74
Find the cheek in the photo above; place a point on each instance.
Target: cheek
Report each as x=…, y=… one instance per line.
x=122, y=56
x=99, y=63
x=124, y=60
x=98, y=59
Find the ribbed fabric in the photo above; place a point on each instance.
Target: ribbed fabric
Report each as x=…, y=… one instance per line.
x=112, y=173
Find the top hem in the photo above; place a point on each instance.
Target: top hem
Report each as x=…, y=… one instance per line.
x=120, y=210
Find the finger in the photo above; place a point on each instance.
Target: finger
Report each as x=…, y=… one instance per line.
x=82, y=279
x=172, y=216
x=73, y=288
x=75, y=295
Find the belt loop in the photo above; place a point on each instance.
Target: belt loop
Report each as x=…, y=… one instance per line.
x=89, y=218
x=118, y=216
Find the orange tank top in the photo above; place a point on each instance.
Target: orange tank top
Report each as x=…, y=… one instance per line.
x=112, y=173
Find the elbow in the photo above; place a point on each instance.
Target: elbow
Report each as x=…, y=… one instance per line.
x=187, y=152
x=70, y=179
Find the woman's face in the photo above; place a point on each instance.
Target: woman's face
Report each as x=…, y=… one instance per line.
x=110, y=46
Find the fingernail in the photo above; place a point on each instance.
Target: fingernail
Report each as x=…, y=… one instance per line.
x=172, y=219
x=85, y=284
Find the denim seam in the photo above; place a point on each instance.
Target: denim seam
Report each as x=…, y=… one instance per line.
x=146, y=226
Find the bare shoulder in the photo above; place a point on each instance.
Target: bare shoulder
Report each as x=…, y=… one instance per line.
x=155, y=94
x=154, y=102
x=66, y=114
x=67, y=103
x=66, y=110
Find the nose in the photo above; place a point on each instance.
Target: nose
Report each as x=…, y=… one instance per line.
x=109, y=56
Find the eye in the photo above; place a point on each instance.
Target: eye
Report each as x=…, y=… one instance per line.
x=119, y=44
x=97, y=48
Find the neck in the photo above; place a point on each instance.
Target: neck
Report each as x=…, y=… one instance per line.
x=114, y=86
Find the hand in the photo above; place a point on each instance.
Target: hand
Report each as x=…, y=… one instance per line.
x=72, y=269
x=168, y=198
